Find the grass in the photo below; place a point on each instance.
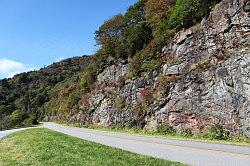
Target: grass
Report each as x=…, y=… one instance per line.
x=43, y=147
x=241, y=141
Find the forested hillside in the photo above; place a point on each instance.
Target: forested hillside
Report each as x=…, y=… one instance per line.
x=22, y=96
x=180, y=64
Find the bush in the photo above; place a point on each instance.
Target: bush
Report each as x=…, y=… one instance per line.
x=121, y=81
x=165, y=129
x=139, y=112
x=150, y=65
x=30, y=121
x=119, y=103
x=186, y=132
x=145, y=60
x=163, y=83
x=89, y=77
x=188, y=12
x=146, y=95
x=18, y=117
x=217, y=132
x=157, y=14
x=117, y=127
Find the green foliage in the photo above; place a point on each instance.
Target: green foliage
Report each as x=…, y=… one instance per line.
x=6, y=109
x=17, y=117
x=30, y=121
x=28, y=92
x=217, y=132
x=139, y=112
x=188, y=12
x=119, y=104
x=165, y=129
x=148, y=66
x=163, y=83
x=123, y=35
x=157, y=14
x=73, y=99
x=185, y=132
x=144, y=61
x=117, y=127
x=109, y=36
x=89, y=77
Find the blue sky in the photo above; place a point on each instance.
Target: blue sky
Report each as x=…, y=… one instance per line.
x=36, y=33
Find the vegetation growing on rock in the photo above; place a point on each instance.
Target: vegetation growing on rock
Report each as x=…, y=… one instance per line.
x=156, y=64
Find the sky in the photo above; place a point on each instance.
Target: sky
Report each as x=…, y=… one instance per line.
x=36, y=33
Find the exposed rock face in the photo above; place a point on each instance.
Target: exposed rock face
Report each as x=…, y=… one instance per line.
x=218, y=93
x=209, y=81
x=112, y=74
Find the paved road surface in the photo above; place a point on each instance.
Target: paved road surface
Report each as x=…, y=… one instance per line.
x=8, y=132
x=189, y=152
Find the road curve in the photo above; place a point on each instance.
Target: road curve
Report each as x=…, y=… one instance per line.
x=188, y=152
x=8, y=132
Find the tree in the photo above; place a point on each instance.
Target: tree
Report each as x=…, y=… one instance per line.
x=109, y=35
x=18, y=116
x=188, y=12
x=158, y=10
x=122, y=36
x=137, y=31
x=157, y=14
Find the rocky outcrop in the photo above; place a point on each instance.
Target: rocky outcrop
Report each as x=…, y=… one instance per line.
x=208, y=80
x=213, y=60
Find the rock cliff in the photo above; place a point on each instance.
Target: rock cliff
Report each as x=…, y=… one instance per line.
x=205, y=80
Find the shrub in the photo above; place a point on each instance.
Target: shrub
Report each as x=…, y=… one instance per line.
x=117, y=127
x=84, y=101
x=65, y=91
x=157, y=14
x=139, y=112
x=150, y=65
x=89, y=77
x=30, y=121
x=121, y=81
x=188, y=12
x=217, y=132
x=135, y=66
x=119, y=103
x=186, y=132
x=17, y=117
x=165, y=129
x=73, y=99
x=146, y=95
x=163, y=83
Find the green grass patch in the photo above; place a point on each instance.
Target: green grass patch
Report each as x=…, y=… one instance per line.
x=43, y=147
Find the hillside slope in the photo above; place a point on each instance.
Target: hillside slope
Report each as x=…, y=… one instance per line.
x=183, y=64
x=22, y=96
x=203, y=81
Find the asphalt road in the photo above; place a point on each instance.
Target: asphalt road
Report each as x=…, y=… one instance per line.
x=8, y=132
x=188, y=152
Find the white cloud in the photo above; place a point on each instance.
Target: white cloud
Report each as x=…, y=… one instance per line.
x=9, y=68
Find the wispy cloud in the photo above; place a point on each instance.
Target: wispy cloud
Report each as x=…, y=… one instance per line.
x=9, y=68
